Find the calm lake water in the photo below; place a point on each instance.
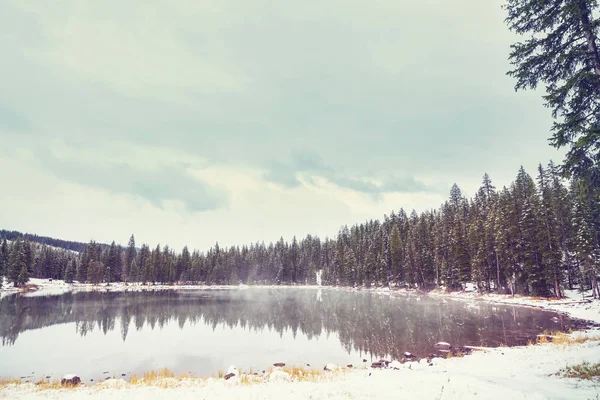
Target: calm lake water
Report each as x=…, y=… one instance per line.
x=95, y=334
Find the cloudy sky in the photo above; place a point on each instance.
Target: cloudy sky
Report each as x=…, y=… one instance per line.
x=191, y=122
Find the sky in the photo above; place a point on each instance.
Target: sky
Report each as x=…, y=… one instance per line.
x=192, y=122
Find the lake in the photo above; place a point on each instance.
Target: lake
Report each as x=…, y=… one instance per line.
x=100, y=334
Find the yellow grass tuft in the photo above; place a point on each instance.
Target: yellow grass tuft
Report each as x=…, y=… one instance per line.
x=585, y=370
x=301, y=374
x=8, y=382
x=163, y=378
x=46, y=384
x=565, y=338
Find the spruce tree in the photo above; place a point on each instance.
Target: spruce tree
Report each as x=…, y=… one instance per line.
x=130, y=255
x=4, y=256
x=587, y=248
x=70, y=271
x=561, y=52
x=23, y=275
x=17, y=268
x=550, y=241
x=396, y=253
x=112, y=263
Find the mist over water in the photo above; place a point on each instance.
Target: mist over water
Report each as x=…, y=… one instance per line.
x=100, y=334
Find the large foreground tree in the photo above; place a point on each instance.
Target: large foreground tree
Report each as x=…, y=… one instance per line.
x=561, y=52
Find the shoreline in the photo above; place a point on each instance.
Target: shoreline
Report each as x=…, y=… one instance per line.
x=486, y=373
x=570, y=305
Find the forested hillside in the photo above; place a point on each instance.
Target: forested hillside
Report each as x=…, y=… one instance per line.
x=535, y=237
x=63, y=244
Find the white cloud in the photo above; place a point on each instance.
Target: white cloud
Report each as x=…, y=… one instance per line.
x=204, y=100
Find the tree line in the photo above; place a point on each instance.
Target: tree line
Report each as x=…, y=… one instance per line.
x=534, y=237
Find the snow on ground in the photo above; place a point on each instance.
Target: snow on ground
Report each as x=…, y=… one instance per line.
x=503, y=373
x=573, y=304
x=47, y=287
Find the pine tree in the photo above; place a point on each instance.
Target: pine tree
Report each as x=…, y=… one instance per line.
x=134, y=272
x=17, y=269
x=157, y=262
x=396, y=253
x=112, y=263
x=4, y=257
x=130, y=255
x=550, y=240
x=561, y=52
x=144, y=264
x=70, y=271
x=23, y=276
x=587, y=248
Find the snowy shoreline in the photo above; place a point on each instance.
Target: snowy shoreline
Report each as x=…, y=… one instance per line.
x=573, y=304
x=519, y=372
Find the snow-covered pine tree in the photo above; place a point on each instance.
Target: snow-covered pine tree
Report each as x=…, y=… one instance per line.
x=130, y=254
x=4, y=257
x=550, y=235
x=396, y=253
x=70, y=271
x=16, y=262
x=587, y=248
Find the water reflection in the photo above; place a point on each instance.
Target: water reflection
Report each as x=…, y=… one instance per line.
x=367, y=323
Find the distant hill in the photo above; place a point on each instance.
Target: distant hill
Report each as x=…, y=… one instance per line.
x=44, y=240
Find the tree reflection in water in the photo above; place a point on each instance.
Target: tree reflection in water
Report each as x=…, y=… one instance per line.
x=370, y=323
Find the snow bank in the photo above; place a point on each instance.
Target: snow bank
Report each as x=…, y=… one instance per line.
x=573, y=304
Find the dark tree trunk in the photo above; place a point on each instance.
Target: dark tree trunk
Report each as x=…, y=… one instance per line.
x=590, y=37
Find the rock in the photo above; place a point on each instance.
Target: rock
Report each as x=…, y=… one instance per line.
x=230, y=375
x=378, y=364
x=308, y=365
x=364, y=360
x=443, y=346
x=123, y=374
x=409, y=356
x=232, y=370
x=331, y=367
x=349, y=366
x=70, y=380
x=461, y=351
x=105, y=372
x=279, y=365
x=48, y=377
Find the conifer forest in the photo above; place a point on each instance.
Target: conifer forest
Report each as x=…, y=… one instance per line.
x=537, y=236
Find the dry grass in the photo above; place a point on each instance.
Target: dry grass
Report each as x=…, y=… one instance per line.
x=564, y=338
x=585, y=370
x=163, y=378
x=8, y=382
x=46, y=384
x=43, y=384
